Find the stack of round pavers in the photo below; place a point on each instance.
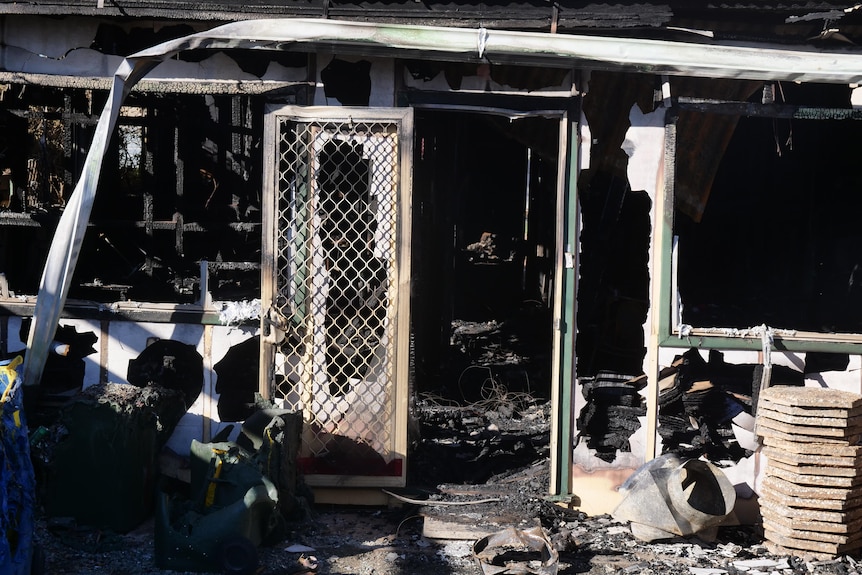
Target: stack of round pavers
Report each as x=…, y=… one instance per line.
x=811, y=494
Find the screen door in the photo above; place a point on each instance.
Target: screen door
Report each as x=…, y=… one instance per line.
x=336, y=257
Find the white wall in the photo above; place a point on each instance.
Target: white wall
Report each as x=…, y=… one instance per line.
x=382, y=81
x=126, y=340
x=61, y=46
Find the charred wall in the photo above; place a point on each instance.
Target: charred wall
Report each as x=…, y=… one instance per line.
x=613, y=290
x=765, y=182
x=180, y=185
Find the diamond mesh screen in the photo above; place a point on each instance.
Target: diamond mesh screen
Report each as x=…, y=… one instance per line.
x=336, y=248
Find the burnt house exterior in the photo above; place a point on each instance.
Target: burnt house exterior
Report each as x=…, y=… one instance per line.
x=313, y=199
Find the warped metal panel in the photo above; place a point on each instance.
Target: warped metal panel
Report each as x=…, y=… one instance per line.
x=339, y=256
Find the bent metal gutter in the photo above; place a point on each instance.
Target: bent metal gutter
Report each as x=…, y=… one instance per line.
x=711, y=60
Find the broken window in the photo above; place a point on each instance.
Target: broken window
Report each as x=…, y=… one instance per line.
x=765, y=215
x=180, y=186
x=764, y=195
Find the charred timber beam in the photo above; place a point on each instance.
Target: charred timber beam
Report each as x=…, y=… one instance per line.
x=26, y=219
x=124, y=311
x=768, y=110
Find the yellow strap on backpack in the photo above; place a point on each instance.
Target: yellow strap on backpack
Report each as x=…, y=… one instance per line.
x=11, y=374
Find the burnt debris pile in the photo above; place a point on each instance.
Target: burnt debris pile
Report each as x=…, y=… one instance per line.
x=611, y=414
x=705, y=407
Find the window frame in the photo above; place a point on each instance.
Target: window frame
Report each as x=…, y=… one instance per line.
x=671, y=331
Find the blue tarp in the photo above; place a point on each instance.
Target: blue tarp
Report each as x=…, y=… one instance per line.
x=17, y=480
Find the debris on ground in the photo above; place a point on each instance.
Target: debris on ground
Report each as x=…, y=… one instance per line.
x=460, y=491
x=476, y=502
x=517, y=551
x=667, y=497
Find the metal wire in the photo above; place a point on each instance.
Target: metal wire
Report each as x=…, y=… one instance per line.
x=337, y=247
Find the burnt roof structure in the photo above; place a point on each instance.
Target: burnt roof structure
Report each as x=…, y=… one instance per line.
x=813, y=23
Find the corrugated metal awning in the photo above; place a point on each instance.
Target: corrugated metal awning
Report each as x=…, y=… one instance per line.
x=714, y=60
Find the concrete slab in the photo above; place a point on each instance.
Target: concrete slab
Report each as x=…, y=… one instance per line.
x=834, y=449
x=806, y=514
x=808, y=411
x=837, y=505
x=806, y=555
x=819, y=398
x=767, y=427
x=788, y=456
x=818, y=497
x=813, y=536
x=772, y=516
x=775, y=469
x=810, y=420
x=807, y=545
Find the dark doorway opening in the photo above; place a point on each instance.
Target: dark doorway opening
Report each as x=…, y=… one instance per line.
x=484, y=221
